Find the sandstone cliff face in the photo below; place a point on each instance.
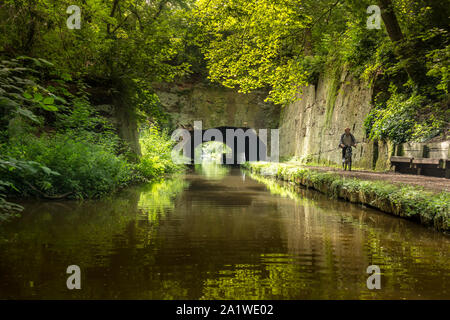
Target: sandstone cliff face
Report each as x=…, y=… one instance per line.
x=217, y=106
x=312, y=126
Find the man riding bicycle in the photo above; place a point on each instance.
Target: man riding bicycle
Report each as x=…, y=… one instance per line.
x=347, y=141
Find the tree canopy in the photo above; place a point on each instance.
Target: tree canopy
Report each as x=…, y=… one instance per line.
x=284, y=45
x=279, y=46
x=118, y=39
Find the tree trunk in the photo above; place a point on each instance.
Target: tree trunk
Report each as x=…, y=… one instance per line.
x=125, y=115
x=308, y=47
x=404, y=50
x=390, y=20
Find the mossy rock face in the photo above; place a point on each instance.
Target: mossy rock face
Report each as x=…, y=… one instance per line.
x=349, y=195
x=343, y=194
x=429, y=221
x=369, y=198
x=365, y=197
x=311, y=126
x=217, y=106
x=383, y=205
x=325, y=188
x=442, y=222
x=399, y=210
x=354, y=196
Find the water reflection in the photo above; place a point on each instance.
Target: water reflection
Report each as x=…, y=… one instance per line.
x=212, y=171
x=227, y=238
x=210, y=154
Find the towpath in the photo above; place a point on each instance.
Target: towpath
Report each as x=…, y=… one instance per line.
x=430, y=183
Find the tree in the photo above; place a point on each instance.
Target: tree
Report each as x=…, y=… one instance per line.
x=251, y=45
x=254, y=44
x=117, y=39
x=404, y=49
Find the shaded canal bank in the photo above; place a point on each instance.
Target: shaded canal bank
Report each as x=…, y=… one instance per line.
x=410, y=202
x=219, y=234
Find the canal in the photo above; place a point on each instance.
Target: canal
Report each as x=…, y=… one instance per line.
x=218, y=233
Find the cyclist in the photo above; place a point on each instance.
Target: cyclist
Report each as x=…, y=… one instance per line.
x=347, y=141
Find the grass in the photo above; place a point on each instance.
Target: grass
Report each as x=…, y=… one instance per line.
x=312, y=161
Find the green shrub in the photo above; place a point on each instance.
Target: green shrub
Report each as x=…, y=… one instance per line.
x=7, y=209
x=10, y=170
x=151, y=166
x=156, y=160
x=54, y=143
x=85, y=169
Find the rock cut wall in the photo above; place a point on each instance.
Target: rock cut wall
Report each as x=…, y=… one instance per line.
x=217, y=106
x=312, y=126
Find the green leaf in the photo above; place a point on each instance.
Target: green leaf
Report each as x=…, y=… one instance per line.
x=47, y=63
x=49, y=171
x=66, y=77
x=62, y=100
x=46, y=170
x=49, y=100
x=36, y=62
x=47, y=107
x=27, y=114
x=17, y=96
x=27, y=95
x=38, y=97
x=9, y=86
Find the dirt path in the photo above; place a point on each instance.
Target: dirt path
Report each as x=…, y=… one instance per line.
x=431, y=183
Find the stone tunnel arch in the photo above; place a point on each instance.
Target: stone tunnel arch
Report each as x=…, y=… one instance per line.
x=253, y=147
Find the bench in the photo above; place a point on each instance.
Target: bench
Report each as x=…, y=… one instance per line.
x=402, y=165
x=422, y=166
x=447, y=168
x=429, y=167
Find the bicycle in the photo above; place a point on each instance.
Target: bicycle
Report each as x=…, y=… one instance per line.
x=347, y=163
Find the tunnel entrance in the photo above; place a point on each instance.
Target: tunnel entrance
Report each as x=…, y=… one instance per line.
x=242, y=144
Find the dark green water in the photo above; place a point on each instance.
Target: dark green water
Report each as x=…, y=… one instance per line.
x=214, y=235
